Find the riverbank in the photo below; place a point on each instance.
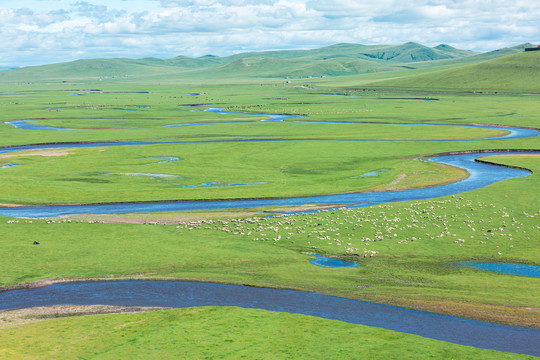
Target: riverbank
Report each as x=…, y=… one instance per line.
x=412, y=241
x=206, y=331
x=188, y=294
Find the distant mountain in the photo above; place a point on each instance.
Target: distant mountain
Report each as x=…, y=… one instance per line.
x=334, y=60
x=95, y=68
x=296, y=68
x=518, y=71
x=408, y=52
x=497, y=53
x=413, y=52
x=453, y=52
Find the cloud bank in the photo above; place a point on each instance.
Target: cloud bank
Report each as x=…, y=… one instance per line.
x=40, y=32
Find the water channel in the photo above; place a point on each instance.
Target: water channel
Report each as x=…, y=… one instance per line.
x=513, y=133
x=180, y=294
x=187, y=294
x=481, y=174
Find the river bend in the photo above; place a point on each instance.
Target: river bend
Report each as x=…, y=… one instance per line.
x=180, y=294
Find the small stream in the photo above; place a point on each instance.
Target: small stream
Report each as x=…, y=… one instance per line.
x=513, y=133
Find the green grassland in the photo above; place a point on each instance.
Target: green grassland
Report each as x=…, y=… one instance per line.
x=282, y=169
x=414, y=243
x=513, y=72
x=406, y=250
x=240, y=333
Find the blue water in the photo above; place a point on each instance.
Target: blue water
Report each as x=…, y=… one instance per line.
x=513, y=133
x=162, y=159
x=151, y=175
x=270, y=117
x=332, y=263
x=370, y=174
x=8, y=165
x=504, y=268
x=481, y=175
x=74, y=145
x=25, y=125
x=181, y=294
x=344, y=95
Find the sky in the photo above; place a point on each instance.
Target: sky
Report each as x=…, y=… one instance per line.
x=36, y=32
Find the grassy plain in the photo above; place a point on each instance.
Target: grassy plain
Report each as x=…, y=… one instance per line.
x=196, y=333
x=414, y=244
x=405, y=249
x=269, y=169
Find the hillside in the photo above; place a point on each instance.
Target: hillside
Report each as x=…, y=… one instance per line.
x=519, y=71
x=413, y=52
x=339, y=59
x=94, y=68
x=476, y=58
x=107, y=68
x=295, y=68
x=408, y=52
x=334, y=60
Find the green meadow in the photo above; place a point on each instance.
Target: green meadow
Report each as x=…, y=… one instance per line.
x=196, y=333
x=406, y=249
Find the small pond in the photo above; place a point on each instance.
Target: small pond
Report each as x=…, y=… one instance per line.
x=370, y=174
x=327, y=262
x=503, y=268
x=162, y=159
x=220, y=184
x=8, y=165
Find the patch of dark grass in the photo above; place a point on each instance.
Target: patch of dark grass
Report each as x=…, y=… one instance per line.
x=88, y=180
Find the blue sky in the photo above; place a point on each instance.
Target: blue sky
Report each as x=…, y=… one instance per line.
x=35, y=32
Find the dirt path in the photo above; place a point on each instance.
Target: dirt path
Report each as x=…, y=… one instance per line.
x=14, y=318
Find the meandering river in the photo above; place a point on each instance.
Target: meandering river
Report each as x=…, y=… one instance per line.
x=513, y=132
x=481, y=174
x=186, y=294
x=179, y=294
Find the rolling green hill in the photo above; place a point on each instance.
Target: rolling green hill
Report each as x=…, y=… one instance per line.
x=87, y=69
x=519, y=71
x=334, y=60
x=339, y=59
x=296, y=68
x=470, y=59
x=413, y=52
x=408, y=52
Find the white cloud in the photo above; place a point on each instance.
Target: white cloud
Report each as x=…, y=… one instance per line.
x=62, y=30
